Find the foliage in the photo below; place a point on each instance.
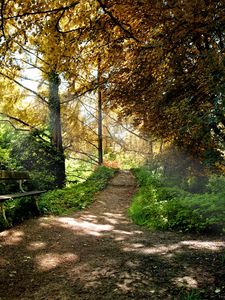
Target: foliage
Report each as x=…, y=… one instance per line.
x=76, y=196
x=77, y=171
x=161, y=64
x=4, y=149
x=33, y=153
x=7, y=136
x=170, y=78
x=159, y=206
x=216, y=184
x=19, y=210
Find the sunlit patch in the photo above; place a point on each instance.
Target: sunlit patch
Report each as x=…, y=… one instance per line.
x=12, y=237
x=117, y=216
x=129, y=249
x=84, y=226
x=137, y=245
x=119, y=238
x=170, y=250
x=160, y=249
x=125, y=286
x=93, y=284
x=186, y=281
x=45, y=225
x=36, y=246
x=102, y=202
x=206, y=245
x=122, y=232
x=90, y=218
x=111, y=221
x=3, y=262
x=46, y=221
x=49, y=261
x=138, y=232
x=133, y=263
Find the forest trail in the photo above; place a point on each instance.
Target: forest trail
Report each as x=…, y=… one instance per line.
x=99, y=254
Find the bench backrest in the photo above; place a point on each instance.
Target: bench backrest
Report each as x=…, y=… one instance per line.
x=4, y=175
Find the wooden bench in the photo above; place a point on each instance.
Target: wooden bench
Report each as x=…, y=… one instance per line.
x=20, y=177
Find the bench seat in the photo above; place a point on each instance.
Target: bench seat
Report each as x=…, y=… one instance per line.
x=3, y=198
x=6, y=175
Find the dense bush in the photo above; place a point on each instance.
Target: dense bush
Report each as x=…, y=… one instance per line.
x=216, y=184
x=201, y=213
x=160, y=206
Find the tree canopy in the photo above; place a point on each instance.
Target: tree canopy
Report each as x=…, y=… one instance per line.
x=162, y=63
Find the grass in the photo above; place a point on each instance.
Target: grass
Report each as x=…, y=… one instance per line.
x=190, y=295
x=158, y=205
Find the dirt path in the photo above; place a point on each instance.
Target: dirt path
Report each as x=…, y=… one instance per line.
x=99, y=254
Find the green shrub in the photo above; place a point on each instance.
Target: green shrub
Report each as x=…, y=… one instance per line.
x=170, y=193
x=146, y=177
x=216, y=184
x=158, y=206
x=77, y=196
x=200, y=213
x=20, y=209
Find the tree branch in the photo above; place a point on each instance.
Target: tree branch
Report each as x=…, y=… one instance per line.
x=33, y=65
x=50, y=11
x=118, y=23
x=57, y=25
x=2, y=18
x=34, y=54
x=24, y=87
x=18, y=129
x=18, y=120
x=81, y=159
x=91, y=156
x=81, y=94
x=24, y=124
x=85, y=105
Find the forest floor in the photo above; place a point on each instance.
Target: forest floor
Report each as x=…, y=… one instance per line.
x=98, y=253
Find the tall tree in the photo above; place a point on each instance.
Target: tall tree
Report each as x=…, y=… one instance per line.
x=170, y=71
x=56, y=35
x=100, y=144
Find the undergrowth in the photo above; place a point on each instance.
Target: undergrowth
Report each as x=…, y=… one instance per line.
x=77, y=196
x=158, y=205
x=60, y=201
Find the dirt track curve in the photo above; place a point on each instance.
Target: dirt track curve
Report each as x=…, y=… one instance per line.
x=99, y=254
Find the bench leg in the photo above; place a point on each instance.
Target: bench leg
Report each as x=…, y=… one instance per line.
x=2, y=211
x=36, y=205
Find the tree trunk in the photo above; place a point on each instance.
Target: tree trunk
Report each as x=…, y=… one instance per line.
x=100, y=149
x=161, y=146
x=56, y=129
x=106, y=138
